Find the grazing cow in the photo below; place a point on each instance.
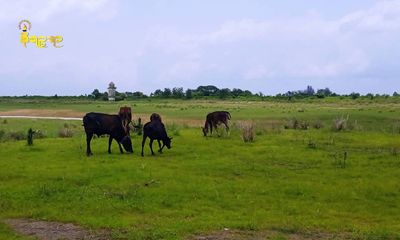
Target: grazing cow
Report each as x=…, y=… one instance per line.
x=155, y=130
x=100, y=124
x=155, y=117
x=125, y=113
x=215, y=118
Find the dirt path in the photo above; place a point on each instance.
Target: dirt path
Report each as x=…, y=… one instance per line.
x=40, y=117
x=55, y=230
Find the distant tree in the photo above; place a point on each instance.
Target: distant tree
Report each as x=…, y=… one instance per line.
x=354, y=95
x=320, y=93
x=96, y=94
x=167, y=93
x=224, y=93
x=104, y=96
x=188, y=94
x=158, y=93
x=310, y=91
x=247, y=93
x=395, y=94
x=236, y=92
x=177, y=92
x=138, y=94
x=370, y=96
x=208, y=90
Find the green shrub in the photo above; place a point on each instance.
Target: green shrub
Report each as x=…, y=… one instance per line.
x=65, y=133
x=16, y=135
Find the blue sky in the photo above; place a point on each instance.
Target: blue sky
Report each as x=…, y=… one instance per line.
x=260, y=45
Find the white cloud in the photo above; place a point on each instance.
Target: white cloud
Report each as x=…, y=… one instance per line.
x=306, y=47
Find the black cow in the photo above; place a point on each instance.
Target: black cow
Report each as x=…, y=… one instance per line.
x=100, y=124
x=155, y=130
x=215, y=118
x=155, y=117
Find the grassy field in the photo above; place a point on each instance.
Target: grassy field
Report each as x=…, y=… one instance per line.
x=289, y=181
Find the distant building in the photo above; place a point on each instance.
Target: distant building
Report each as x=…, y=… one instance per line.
x=111, y=91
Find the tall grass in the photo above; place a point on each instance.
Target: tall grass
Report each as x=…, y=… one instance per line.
x=247, y=130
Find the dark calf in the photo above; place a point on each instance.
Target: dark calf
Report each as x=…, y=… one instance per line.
x=215, y=118
x=155, y=130
x=155, y=117
x=100, y=124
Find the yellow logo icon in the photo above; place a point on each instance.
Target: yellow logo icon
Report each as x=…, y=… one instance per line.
x=39, y=41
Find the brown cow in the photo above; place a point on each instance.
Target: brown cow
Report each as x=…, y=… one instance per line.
x=215, y=118
x=125, y=113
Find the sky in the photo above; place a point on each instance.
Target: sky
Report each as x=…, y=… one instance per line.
x=268, y=46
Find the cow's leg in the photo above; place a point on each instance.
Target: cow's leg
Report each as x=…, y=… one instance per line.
x=211, y=127
x=216, y=130
x=143, y=142
x=109, y=144
x=159, y=146
x=88, y=139
x=120, y=148
x=151, y=146
x=226, y=126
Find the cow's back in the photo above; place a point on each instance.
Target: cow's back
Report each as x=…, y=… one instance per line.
x=218, y=116
x=100, y=123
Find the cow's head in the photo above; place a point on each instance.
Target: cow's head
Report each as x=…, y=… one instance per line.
x=127, y=143
x=205, y=131
x=167, y=142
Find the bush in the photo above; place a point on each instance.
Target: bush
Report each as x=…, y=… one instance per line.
x=297, y=124
x=5, y=121
x=340, y=124
x=65, y=133
x=16, y=136
x=247, y=130
x=318, y=124
x=2, y=134
x=174, y=128
x=40, y=134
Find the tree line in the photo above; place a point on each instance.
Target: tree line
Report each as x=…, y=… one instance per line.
x=213, y=92
x=210, y=91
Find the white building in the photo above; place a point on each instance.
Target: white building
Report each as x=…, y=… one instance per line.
x=111, y=91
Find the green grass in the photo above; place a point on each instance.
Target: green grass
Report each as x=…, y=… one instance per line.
x=279, y=182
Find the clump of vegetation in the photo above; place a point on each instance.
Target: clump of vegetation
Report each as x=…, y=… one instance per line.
x=65, y=133
x=312, y=144
x=340, y=124
x=5, y=121
x=2, y=133
x=340, y=159
x=16, y=135
x=247, y=130
x=174, y=129
x=40, y=134
x=137, y=126
x=395, y=151
x=297, y=124
x=318, y=124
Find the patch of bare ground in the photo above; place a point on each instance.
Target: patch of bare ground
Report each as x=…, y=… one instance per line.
x=44, y=230
x=269, y=234
x=43, y=113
